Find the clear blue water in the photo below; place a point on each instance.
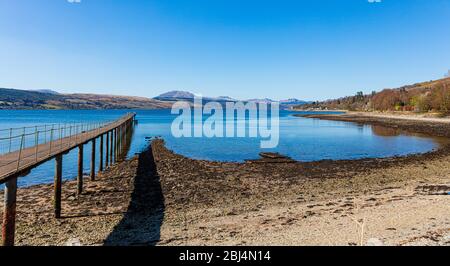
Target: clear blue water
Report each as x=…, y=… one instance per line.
x=300, y=138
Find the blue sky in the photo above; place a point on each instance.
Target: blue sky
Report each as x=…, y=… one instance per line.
x=316, y=49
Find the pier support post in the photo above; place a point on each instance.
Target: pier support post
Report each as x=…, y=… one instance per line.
x=126, y=135
x=57, y=186
x=115, y=145
x=100, y=167
x=80, y=170
x=120, y=142
x=111, y=147
x=119, y=146
x=124, y=141
x=123, y=138
x=9, y=212
x=107, y=150
x=93, y=160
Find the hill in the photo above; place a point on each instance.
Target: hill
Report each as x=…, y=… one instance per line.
x=23, y=99
x=175, y=96
x=48, y=91
x=49, y=99
x=419, y=97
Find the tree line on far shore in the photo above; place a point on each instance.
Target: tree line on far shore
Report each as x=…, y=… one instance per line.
x=420, y=97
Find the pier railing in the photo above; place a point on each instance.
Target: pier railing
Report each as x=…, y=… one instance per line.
x=14, y=140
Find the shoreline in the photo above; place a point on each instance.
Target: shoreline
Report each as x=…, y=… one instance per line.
x=430, y=117
x=432, y=127
x=199, y=202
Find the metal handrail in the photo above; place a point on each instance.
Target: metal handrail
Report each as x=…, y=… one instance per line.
x=17, y=143
x=17, y=128
x=42, y=125
x=43, y=131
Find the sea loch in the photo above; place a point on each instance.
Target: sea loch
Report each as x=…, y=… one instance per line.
x=301, y=139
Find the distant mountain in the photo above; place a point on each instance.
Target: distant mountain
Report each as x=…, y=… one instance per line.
x=49, y=99
x=293, y=101
x=47, y=91
x=188, y=96
x=175, y=96
x=24, y=99
x=265, y=100
x=226, y=98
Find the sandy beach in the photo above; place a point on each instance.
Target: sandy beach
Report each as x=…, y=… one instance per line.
x=162, y=198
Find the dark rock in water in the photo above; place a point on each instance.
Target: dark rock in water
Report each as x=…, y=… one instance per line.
x=273, y=155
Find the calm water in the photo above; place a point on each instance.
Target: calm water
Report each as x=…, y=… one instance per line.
x=300, y=138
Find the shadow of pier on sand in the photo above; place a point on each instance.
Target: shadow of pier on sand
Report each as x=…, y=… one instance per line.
x=142, y=222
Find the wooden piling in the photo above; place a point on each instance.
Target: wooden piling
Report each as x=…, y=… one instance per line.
x=123, y=142
x=115, y=145
x=125, y=135
x=107, y=150
x=80, y=170
x=58, y=186
x=9, y=212
x=124, y=139
x=100, y=167
x=120, y=142
x=111, y=147
x=93, y=160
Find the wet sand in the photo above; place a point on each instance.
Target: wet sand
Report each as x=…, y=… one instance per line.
x=163, y=198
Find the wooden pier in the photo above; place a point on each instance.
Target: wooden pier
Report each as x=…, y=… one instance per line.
x=19, y=163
